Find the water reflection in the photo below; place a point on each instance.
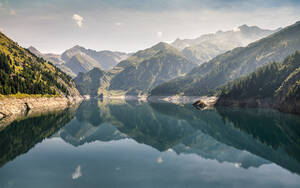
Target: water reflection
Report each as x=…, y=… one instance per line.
x=133, y=144
x=266, y=133
x=22, y=135
x=223, y=134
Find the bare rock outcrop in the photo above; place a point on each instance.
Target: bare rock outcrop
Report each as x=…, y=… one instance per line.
x=13, y=108
x=205, y=103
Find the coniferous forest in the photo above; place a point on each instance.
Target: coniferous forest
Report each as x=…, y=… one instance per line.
x=25, y=73
x=276, y=84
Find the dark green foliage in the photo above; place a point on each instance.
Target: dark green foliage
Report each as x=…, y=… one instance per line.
x=261, y=83
x=5, y=63
x=269, y=81
x=22, y=72
x=25, y=82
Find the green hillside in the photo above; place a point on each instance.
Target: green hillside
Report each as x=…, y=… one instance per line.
x=89, y=83
x=274, y=85
x=234, y=64
x=21, y=72
x=139, y=73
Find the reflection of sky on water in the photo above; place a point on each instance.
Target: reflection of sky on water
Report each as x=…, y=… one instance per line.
x=129, y=164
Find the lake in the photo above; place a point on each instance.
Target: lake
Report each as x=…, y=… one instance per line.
x=148, y=145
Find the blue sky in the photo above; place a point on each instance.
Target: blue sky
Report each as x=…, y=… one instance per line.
x=130, y=25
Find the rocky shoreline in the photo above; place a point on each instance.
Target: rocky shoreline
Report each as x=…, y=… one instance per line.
x=175, y=99
x=210, y=101
x=14, y=108
x=205, y=103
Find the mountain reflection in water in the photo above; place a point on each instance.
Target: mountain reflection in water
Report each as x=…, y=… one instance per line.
x=132, y=131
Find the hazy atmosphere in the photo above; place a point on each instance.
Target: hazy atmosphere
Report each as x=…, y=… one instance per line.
x=131, y=25
x=150, y=94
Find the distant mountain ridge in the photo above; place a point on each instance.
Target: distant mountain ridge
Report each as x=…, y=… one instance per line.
x=79, y=59
x=234, y=64
x=138, y=74
x=208, y=46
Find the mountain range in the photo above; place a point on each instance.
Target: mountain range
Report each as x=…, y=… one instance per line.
x=151, y=67
x=138, y=74
x=161, y=70
x=208, y=46
x=204, y=79
x=78, y=59
x=199, y=50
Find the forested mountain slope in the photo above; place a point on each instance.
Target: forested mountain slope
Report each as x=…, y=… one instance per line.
x=275, y=85
x=23, y=72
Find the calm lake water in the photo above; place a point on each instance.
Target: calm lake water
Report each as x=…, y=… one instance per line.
x=149, y=145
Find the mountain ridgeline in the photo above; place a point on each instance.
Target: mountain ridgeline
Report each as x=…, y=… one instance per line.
x=276, y=85
x=78, y=59
x=234, y=64
x=206, y=47
x=166, y=70
x=23, y=72
x=138, y=74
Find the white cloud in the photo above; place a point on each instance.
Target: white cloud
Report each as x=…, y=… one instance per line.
x=159, y=33
x=77, y=173
x=0, y=4
x=78, y=19
x=159, y=160
x=119, y=24
x=236, y=29
x=12, y=12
